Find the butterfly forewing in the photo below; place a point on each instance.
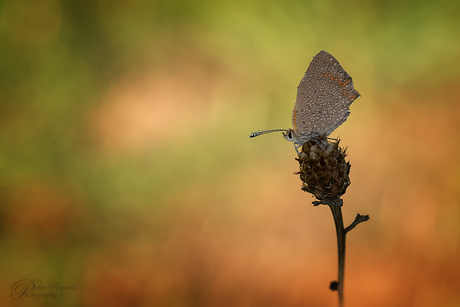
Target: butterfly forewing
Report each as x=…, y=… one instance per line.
x=323, y=97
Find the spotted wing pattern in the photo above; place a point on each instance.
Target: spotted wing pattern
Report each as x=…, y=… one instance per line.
x=323, y=97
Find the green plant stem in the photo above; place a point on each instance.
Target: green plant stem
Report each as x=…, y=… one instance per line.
x=340, y=230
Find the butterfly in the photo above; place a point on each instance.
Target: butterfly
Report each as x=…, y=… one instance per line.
x=324, y=96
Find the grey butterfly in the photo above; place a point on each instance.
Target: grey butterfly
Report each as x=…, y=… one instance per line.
x=324, y=95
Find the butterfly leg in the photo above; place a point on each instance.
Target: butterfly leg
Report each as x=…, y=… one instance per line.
x=297, y=146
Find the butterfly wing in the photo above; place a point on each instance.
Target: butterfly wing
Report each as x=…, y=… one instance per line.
x=323, y=97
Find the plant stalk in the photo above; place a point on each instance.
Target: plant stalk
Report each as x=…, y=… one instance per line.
x=341, y=233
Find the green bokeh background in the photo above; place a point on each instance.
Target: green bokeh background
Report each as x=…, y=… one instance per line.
x=126, y=170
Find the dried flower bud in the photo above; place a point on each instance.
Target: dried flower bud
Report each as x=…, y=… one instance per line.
x=323, y=169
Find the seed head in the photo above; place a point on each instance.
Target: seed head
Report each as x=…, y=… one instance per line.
x=323, y=169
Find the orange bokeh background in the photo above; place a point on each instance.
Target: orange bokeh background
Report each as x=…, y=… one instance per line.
x=127, y=171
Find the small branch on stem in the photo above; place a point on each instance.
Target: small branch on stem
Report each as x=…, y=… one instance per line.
x=358, y=219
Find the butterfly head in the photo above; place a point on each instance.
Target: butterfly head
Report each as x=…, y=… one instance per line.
x=289, y=135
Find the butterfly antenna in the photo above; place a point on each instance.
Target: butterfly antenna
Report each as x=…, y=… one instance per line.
x=260, y=132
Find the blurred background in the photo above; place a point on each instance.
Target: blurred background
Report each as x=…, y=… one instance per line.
x=126, y=169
